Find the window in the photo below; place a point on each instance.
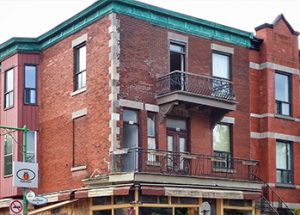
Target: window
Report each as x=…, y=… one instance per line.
x=80, y=67
x=177, y=57
x=30, y=85
x=282, y=94
x=131, y=139
x=177, y=63
x=222, y=146
x=31, y=146
x=8, y=154
x=221, y=87
x=9, y=89
x=151, y=136
x=221, y=66
x=283, y=162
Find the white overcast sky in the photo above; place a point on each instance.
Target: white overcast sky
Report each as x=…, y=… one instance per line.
x=31, y=18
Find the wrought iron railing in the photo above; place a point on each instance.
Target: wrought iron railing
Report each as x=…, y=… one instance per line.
x=195, y=84
x=272, y=198
x=276, y=201
x=185, y=164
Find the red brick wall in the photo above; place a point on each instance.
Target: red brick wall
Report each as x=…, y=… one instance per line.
x=280, y=46
x=57, y=106
x=145, y=56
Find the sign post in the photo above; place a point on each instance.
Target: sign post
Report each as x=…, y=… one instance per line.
x=25, y=131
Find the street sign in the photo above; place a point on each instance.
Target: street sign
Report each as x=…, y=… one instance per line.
x=25, y=174
x=16, y=207
x=30, y=195
x=38, y=200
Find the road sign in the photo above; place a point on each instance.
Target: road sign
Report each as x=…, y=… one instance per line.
x=16, y=207
x=25, y=174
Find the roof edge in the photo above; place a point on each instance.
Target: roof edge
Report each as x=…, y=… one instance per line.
x=155, y=15
x=275, y=22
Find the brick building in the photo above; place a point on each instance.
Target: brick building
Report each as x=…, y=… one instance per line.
x=134, y=109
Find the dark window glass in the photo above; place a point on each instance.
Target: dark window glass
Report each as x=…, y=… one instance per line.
x=105, y=200
x=8, y=154
x=156, y=211
x=177, y=57
x=103, y=212
x=9, y=89
x=284, y=174
x=282, y=94
x=80, y=67
x=30, y=87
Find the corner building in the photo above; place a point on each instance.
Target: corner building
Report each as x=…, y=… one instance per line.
x=134, y=109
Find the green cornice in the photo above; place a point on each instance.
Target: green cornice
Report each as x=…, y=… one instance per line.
x=154, y=15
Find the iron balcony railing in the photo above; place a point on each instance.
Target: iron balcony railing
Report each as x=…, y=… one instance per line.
x=184, y=164
x=195, y=84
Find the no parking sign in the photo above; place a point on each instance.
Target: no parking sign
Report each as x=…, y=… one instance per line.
x=16, y=207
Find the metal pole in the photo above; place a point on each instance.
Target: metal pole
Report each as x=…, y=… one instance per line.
x=25, y=130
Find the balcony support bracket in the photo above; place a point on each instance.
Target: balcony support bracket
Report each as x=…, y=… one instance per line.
x=165, y=109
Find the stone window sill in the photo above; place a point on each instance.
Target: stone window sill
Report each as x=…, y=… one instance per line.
x=78, y=91
x=78, y=168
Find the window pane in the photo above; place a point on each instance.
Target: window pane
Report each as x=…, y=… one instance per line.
x=281, y=155
x=282, y=87
x=82, y=58
x=221, y=66
x=8, y=144
x=8, y=165
x=285, y=109
x=30, y=77
x=131, y=136
x=221, y=138
x=9, y=80
x=83, y=79
x=176, y=123
x=177, y=48
x=32, y=96
x=130, y=115
x=151, y=125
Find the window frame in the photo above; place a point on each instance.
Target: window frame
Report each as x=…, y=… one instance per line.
x=289, y=159
x=7, y=93
x=184, y=53
x=290, y=98
x=137, y=123
x=5, y=174
x=228, y=156
x=229, y=64
x=36, y=84
x=152, y=158
x=77, y=71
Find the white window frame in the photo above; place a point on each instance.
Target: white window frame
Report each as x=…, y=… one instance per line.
x=7, y=155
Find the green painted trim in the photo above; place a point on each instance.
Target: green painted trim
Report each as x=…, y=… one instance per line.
x=154, y=15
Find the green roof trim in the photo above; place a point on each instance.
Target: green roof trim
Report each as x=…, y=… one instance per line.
x=152, y=14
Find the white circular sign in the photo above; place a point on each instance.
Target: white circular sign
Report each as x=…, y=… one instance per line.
x=30, y=195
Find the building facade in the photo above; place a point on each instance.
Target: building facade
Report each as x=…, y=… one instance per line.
x=134, y=109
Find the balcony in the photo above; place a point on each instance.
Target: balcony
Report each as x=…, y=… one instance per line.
x=183, y=87
x=185, y=164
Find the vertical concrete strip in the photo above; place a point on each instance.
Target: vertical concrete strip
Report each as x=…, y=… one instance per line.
x=114, y=81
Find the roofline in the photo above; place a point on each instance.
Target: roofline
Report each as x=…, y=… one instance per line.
x=152, y=14
x=275, y=22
